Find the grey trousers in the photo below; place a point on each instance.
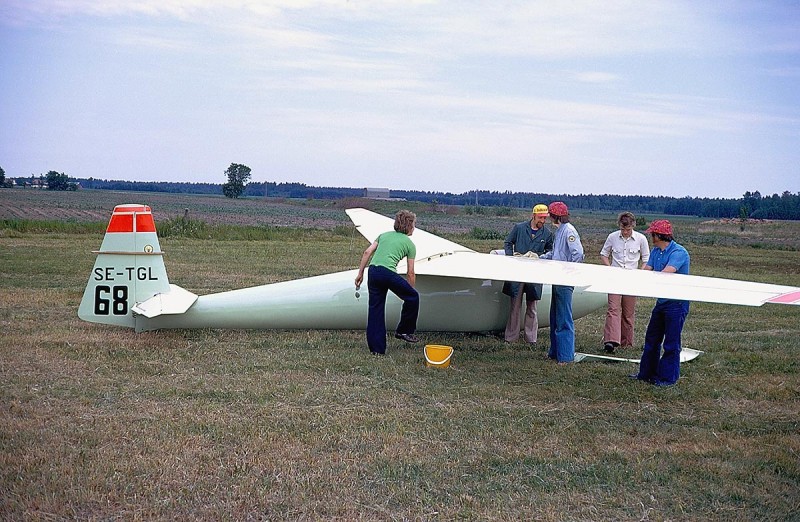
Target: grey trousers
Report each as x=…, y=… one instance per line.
x=531, y=320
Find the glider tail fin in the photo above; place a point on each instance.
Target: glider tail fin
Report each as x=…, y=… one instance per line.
x=129, y=269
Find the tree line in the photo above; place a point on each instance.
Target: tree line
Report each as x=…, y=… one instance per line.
x=750, y=205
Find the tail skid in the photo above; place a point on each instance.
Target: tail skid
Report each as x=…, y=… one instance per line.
x=129, y=277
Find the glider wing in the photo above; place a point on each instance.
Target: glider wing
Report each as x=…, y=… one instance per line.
x=371, y=225
x=437, y=256
x=603, y=279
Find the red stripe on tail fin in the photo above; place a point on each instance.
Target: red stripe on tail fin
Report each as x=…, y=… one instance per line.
x=122, y=220
x=145, y=223
x=120, y=223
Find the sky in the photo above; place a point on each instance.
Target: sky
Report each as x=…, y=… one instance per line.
x=678, y=98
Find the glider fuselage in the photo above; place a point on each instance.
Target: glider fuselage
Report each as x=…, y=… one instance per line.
x=331, y=302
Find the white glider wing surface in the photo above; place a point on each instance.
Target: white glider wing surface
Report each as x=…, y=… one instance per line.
x=439, y=257
x=602, y=279
x=371, y=225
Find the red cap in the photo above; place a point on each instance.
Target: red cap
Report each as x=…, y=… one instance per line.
x=660, y=226
x=558, y=208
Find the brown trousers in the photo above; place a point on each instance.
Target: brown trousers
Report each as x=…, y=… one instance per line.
x=620, y=318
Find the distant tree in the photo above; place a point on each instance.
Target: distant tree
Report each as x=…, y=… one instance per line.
x=57, y=181
x=743, y=217
x=2, y=177
x=751, y=200
x=238, y=175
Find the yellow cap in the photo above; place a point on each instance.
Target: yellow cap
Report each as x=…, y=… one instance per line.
x=540, y=209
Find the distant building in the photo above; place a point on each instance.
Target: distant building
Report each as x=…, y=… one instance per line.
x=376, y=193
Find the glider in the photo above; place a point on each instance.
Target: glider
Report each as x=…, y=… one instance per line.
x=460, y=289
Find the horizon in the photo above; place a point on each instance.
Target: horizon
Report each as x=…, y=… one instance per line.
x=464, y=193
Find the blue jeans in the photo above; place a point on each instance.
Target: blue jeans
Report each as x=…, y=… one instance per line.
x=665, y=327
x=562, y=328
x=379, y=281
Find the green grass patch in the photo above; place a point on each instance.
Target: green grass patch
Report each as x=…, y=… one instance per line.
x=16, y=227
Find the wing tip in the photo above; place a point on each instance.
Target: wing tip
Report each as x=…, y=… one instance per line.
x=787, y=298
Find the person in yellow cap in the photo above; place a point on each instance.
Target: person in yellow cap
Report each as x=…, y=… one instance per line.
x=527, y=238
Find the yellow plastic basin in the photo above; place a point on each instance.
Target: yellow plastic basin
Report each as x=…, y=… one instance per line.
x=437, y=355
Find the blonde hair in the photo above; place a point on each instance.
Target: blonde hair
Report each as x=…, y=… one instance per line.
x=404, y=221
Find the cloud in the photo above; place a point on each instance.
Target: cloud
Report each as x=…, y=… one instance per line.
x=596, y=77
x=515, y=28
x=784, y=72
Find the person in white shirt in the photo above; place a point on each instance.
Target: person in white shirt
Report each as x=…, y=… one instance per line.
x=629, y=250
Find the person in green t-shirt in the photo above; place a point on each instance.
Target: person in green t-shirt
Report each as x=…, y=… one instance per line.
x=383, y=255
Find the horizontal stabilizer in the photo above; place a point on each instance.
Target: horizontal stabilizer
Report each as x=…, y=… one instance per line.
x=176, y=301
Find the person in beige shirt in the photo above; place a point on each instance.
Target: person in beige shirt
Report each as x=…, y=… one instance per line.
x=629, y=250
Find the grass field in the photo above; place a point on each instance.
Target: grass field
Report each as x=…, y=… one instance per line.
x=100, y=423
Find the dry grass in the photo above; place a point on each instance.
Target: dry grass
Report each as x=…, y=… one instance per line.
x=100, y=423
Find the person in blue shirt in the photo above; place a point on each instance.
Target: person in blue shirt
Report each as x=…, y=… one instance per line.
x=566, y=247
x=668, y=315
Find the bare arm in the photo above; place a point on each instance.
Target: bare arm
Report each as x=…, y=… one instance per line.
x=644, y=248
x=412, y=276
x=605, y=252
x=365, y=257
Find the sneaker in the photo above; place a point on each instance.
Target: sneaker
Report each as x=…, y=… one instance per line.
x=409, y=338
x=609, y=347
